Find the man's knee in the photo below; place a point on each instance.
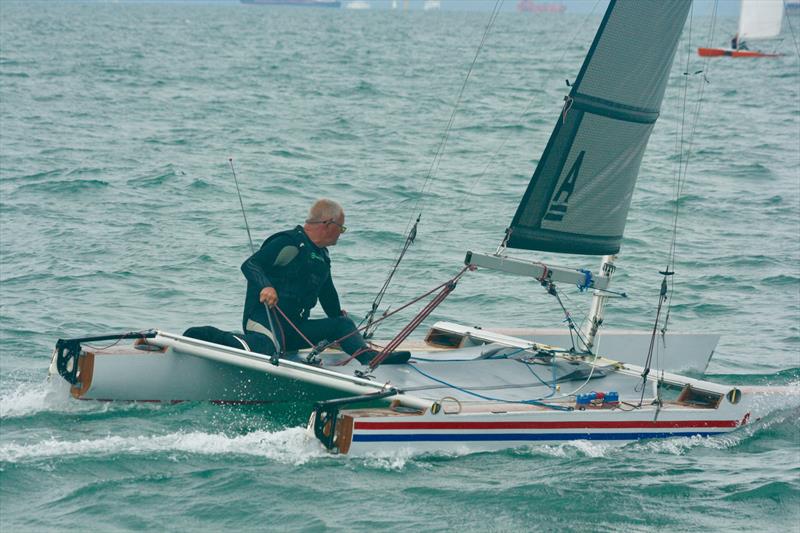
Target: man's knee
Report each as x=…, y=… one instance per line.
x=259, y=343
x=344, y=324
x=211, y=334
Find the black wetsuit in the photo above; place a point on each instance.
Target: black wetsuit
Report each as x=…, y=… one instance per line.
x=300, y=273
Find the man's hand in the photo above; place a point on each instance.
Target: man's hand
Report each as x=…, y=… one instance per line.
x=268, y=296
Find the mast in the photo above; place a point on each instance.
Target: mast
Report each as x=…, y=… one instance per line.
x=595, y=318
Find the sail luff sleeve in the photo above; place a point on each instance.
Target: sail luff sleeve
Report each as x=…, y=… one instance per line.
x=578, y=198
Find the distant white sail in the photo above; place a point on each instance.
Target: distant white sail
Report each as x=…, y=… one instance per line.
x=760, y=19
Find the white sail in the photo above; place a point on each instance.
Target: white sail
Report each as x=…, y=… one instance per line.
x=760, y=19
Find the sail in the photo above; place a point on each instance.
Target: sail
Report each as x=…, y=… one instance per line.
x=760, y=19
x=578, y=198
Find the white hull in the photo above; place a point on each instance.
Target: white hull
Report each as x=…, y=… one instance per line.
x=174, y=374
x=483, y=397
x=379, y=431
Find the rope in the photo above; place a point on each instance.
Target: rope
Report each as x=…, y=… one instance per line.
x=648, y=362
x=552, y=290
x=417, y=320
x=545, y=273
x=357, y=330
x=311, y=344
x=131, y=334
x=491, y=399
x=377, y=301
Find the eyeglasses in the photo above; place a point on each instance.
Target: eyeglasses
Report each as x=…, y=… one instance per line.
x=342, y=227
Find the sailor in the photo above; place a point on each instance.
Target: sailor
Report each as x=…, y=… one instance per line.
x=736, y=44
x=292, y=271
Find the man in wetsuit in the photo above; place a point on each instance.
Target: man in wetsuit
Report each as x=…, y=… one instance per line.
x=292, y=271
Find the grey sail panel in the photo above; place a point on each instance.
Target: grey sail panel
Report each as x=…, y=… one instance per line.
x=579, y=195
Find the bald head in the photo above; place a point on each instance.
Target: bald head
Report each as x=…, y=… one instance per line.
x=324, y=209
x=325, y=223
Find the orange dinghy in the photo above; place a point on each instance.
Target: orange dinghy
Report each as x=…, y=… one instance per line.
x=723, y=52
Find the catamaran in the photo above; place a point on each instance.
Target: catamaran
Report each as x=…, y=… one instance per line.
x=758, y=19
x=468, y=388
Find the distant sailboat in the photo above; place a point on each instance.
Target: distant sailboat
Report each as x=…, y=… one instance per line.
x=758, y=19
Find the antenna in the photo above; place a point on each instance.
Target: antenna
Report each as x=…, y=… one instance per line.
x=278, y=349
x=241, y=203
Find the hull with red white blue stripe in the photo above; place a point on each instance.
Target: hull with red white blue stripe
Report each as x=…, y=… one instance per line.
x=378, y=431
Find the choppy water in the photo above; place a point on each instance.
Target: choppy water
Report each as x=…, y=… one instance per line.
x=119, y=212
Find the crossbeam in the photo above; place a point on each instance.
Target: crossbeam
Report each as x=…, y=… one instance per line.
x=536, y=270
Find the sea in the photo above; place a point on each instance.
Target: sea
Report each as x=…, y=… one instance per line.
x=119, y=125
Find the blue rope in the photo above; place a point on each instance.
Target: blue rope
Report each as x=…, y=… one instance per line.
x=465, y=391
x=501, y=356
x=553, y=386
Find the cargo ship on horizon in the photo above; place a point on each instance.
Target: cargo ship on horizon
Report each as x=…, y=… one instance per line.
x=298, y=3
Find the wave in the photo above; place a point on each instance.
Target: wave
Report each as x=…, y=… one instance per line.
x=158, y=178
x=28, y=399
x=66, y=186
x=781, y=280
x=778, y=491
x=291, y=446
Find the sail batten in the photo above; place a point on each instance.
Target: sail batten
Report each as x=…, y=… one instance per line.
x=578, y=198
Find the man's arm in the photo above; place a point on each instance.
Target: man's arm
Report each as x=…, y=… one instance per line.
x=329, y=299
x=279, y=251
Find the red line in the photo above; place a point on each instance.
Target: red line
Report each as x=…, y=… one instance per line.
x=547, y=425
x=217, y=402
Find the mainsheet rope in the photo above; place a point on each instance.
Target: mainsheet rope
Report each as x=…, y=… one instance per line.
x=451, y=282
x=417, y=320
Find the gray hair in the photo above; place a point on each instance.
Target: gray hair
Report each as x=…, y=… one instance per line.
x=324, y=209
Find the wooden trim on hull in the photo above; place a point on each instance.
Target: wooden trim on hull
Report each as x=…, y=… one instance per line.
x=85, y=372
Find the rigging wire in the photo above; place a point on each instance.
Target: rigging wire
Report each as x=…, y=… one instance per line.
x=437, y=158
x=572, y=326
x=443, y=143
x=412, y=232
x=369, y=331
x=791, y=30
x=241, y=203
x=279, y=347
x=525, y=110
x=682, y=167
